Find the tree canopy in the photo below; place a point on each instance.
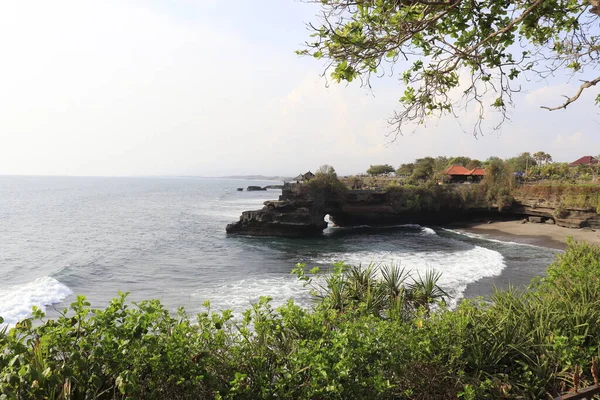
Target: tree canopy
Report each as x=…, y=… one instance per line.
x=542, y=157
x=424, y=168
x=405, y=169
x=522, y=163
x=383, y=169
x=498, y=43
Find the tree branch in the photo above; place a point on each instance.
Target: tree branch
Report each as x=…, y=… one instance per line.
x=585, y=85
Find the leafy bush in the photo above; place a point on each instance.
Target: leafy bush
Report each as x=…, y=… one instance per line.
x=499, y=183
x=373, y=333
x=433, y=197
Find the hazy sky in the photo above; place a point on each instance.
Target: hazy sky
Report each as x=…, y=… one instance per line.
x=209, y=87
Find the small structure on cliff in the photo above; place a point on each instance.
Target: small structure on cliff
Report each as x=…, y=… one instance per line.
x=304, y=177
x=459, y=174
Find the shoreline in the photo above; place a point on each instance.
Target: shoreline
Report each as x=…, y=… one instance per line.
x=517, y=273
x=537, y=234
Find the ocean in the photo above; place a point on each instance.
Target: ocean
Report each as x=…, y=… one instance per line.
x=165, y=238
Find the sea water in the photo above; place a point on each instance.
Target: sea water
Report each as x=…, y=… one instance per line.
x=165, y=238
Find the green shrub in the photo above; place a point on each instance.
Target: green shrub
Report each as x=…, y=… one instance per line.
x=374, y=332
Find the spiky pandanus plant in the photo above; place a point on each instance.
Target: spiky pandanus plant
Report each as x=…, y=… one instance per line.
x=377, y=289
x=393, y=285
x=424, y=290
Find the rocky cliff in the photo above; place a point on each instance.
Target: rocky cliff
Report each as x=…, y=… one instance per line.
x=300, y=210
x=281, y=218
x=551, y=210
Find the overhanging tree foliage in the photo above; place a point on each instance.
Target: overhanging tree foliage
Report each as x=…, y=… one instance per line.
x=497, y=42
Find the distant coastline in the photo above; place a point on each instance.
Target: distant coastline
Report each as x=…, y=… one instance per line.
x=258, y=177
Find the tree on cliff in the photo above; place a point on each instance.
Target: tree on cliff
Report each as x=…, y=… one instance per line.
x=522, y=163
x=326, y=180
x=382, y=169
x=424, y=168
x=405, y=169
x=460, y=160
x=542, y=157
x=479, y=50
x=498, y=182
x=473, y=164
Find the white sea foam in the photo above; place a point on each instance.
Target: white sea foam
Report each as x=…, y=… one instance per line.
x=16, y=301
x=425, y=230
x=428, y=231
x=458, y=268
x=484, y=237
x=414, y=226
x=240, y=295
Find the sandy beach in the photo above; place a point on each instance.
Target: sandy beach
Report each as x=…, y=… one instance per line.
x=545, y=235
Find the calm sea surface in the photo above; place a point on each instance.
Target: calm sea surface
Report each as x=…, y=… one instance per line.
x=165, y=238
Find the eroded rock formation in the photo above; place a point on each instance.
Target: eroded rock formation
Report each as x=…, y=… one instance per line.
x=551, y=209
x=300, y=211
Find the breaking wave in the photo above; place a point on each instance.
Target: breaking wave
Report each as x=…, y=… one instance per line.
x=16, y=301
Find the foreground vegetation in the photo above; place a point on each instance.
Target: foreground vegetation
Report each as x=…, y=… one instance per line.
x=365, y=338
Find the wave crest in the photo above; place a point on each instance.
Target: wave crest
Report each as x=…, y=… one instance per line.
x=16, y=301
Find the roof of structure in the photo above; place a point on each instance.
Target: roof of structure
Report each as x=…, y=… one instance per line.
x=585, y=160
x=462, y=171
x=305, y=176
x=456, y=170
x=477, y=172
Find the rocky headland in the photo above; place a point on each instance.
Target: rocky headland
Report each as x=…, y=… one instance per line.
x=301, y=209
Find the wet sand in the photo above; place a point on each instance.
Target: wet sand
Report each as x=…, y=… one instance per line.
x=544, y=235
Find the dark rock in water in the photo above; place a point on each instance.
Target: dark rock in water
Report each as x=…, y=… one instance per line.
x=254, y=188
x=240, y=189
x=280, y=218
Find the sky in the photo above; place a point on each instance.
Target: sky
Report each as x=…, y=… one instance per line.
x=214, y=88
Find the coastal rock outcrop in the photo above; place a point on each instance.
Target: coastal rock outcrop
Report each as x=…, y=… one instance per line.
x=301, y=211
x=280, y=218
x=547, y=209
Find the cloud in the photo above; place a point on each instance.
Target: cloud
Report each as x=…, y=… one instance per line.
x=191, y=87
x=560, y=141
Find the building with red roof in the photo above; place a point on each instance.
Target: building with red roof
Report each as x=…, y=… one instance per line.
x=458, y=174
x=458, y=170
x=585, y=160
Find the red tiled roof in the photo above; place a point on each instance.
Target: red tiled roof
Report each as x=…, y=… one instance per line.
x=477, y=172
x=457, y=170
x=586, y=160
